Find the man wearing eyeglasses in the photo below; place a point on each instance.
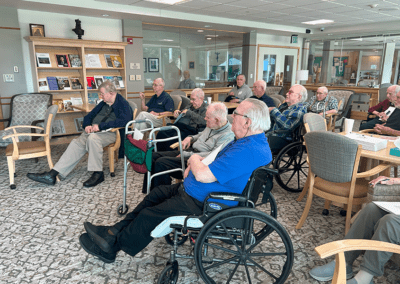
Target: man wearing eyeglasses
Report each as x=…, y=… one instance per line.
x=229, y=172
x=322, y=103
x=217, y=132
x=286, y=118
x=114, y=111
x=159, y=104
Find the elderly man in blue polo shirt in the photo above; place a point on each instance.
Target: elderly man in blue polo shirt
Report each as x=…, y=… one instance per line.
x=159, y=104
x=250, y=150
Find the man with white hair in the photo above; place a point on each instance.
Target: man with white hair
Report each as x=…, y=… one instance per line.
x=159, y=104
x=190, y=121
x=217, y=132
x=259, y=93
x=391, y=126
x=240, y=92
x=286, y=118
x=229, y=172
x=187, y=83
x=322, y=103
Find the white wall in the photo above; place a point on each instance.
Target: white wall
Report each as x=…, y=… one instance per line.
x=60, y=26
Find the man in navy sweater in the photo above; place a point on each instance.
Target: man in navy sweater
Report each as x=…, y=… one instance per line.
x=113, y=111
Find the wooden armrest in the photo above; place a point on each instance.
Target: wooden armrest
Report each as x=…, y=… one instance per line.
x=24, y=134
x=367, y=131
x=335, y=247
x=24, y=126
x=116, y=129
x=80, y=107
x=374, y=171
x=175, y=145
x=167, y=114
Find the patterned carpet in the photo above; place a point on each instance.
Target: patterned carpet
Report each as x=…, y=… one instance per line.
x=40, y=226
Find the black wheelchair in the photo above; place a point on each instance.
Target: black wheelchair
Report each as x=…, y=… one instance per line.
x=291, y=162
x=237, y=243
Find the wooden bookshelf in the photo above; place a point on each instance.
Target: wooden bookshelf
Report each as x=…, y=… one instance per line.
x=54, y=46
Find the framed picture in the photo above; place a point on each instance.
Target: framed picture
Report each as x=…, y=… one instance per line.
x=191, y=64
x=144, y=65
x=37, y=30
x=153, y=65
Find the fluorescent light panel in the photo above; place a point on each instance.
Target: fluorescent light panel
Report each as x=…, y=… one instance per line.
x=169, y=2
x=318, y=22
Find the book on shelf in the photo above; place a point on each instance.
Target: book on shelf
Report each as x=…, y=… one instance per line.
x=90, y=83
x=109, y=63
x=58, y=127
x=93, y=98
x=62, y=60
x=109, y=78
x=98, y=80
x=60, y=104
x=92, y=61
x=116, y=61
x=63, y=83
x=74, y=60
x=52, y=82
x=78, y=124
x=43, y=86
x=68, y=105
x=76, y=102
x=76, y=84
x=116, y=82
x=43, y=60
x=121, y=82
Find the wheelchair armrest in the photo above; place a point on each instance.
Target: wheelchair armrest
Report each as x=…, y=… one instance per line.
x=226, y=196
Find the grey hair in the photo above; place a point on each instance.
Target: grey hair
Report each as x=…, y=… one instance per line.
x=108, y=86
x=198, y=93
x=244, y=76
x=303, y=92
x=325, y=89
x=263, y=84
x=397, y=90
x=220, y=111
x=259, y=115
x=162, y=81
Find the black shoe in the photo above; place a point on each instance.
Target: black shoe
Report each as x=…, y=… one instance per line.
x=103, y=236
x=46, y=178
x=90, y=247
x=95, y=179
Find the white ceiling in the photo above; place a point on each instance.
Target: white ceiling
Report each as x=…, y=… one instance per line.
x=352, y=18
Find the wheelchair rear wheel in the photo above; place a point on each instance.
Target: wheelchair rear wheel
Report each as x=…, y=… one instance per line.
x=224, y=250
x=291, y=162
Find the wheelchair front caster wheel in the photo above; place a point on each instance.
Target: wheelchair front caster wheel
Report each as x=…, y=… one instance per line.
x=112, y=174
x=170, y=274
x=170, y=239
x=121, y=211
x=13, y=186
x=325, y=212
x=343, y=212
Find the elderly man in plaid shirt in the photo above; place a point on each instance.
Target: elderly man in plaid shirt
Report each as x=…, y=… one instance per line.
x=287, y=117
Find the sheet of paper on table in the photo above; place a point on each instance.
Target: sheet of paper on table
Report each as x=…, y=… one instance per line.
x=368, y=142
x=391, y=207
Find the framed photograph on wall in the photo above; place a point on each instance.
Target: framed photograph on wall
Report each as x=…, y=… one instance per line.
x=144, y=65
x=191, y=64
x=37, y=30
x=153, y=65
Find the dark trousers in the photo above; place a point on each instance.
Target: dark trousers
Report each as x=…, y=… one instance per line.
x=161, y=203
x=162, y=161
x=277, y=143
x=184, y=129
x=371, y=124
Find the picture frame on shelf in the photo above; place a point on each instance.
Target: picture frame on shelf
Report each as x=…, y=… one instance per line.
x=191, y=64
x=37, y=30
x=144, y=65
x=153, y=65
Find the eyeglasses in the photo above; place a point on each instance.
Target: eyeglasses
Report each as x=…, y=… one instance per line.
x=236, y=113
x=156, y=85
x=320, y=93
x=292, y=93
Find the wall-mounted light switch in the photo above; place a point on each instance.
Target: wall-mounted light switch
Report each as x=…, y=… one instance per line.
x=131, y=77
x=8, y=78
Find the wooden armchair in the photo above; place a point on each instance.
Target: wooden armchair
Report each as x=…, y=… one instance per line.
x=30, y=149
x=177, y=104
x=338, y=248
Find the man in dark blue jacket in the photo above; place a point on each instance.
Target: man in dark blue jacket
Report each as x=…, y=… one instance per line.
x=113, y=111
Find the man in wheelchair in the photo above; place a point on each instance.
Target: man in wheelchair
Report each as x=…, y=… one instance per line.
x=250, y=150
x=286, y=118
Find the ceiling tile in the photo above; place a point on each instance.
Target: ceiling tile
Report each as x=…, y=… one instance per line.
x=323, y=6
x=248, y=3
x=294, y=10
x=148, y=4
x=222, y=8
x=197, y=4
x=123, y=2
x=301, y=3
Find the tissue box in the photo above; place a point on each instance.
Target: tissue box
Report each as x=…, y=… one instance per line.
x=395, y=152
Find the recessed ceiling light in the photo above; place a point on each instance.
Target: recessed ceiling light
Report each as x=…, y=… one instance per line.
x=357, y=39
x=330, y=34
x=166, y=39
x=209, y=38
x=207, y=26
x=317, y=22
x=200, y=31
x=212, y=35
x=106, y=15
x=169, y=2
